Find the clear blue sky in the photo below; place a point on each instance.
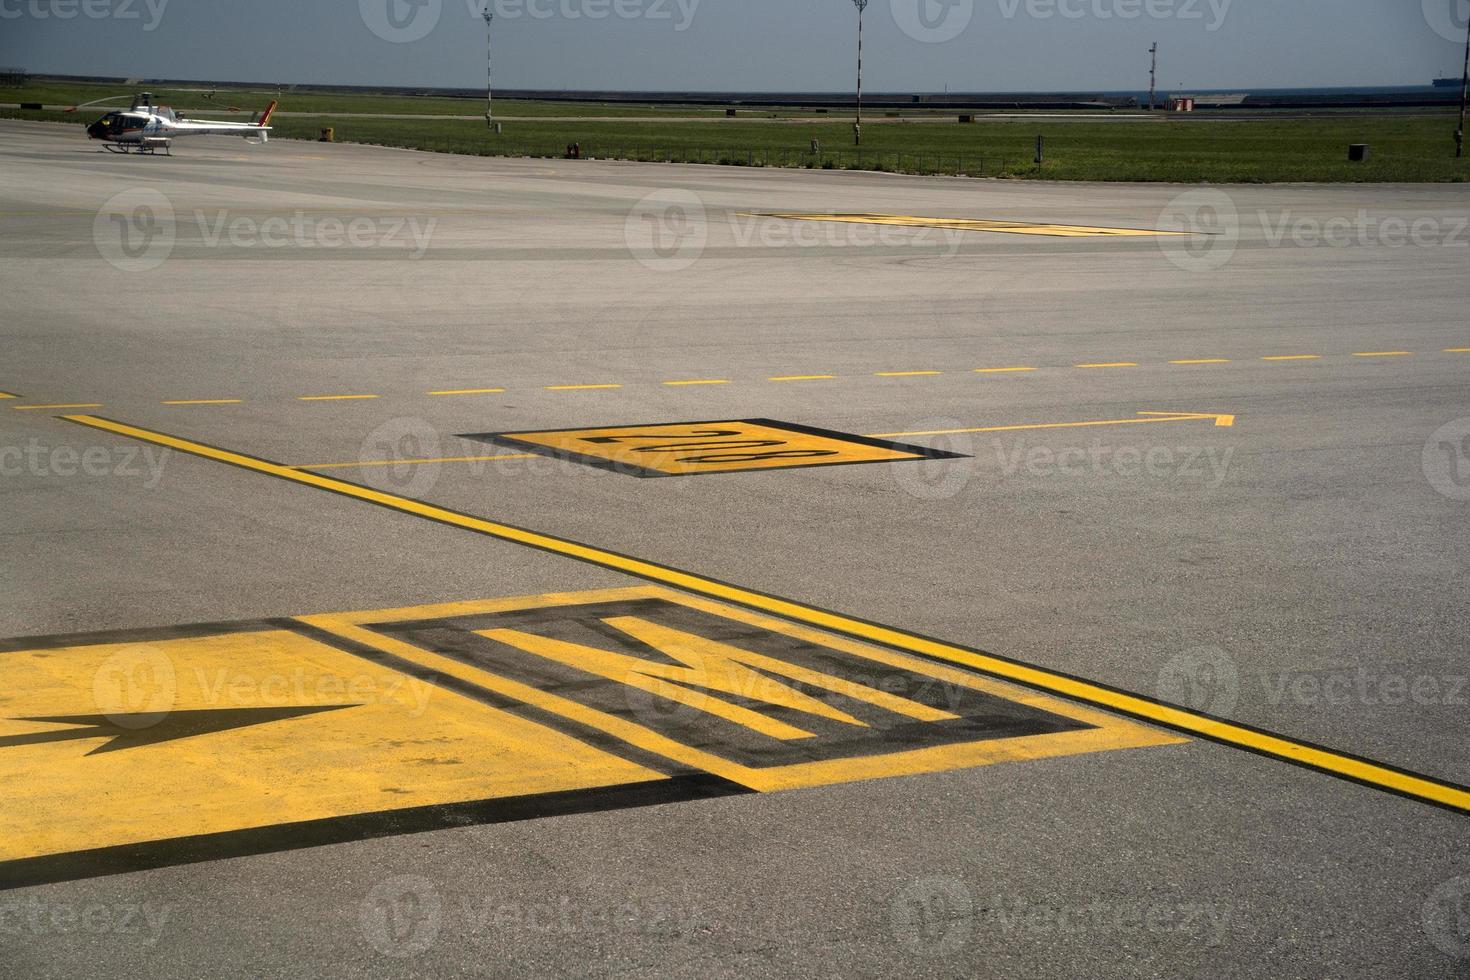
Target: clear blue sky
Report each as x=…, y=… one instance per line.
x=997, y=45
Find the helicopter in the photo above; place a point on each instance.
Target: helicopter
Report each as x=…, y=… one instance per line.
x=147, y=128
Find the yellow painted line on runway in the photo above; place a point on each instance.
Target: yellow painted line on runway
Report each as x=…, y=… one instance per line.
x=206, y=401
x=1204, y=360
x=470, y=391
x=1293, y=357
x=1114, y=364
x=6, y=394
x=906, y=374
x=1457, y=350
x=334, y=398
x=43, y=408
x=1222, y=421
x=970, y=224
x=411, y=462
x=804, y=377
x=578, y=387
x=709, y=381
x=1348, y=767
x=1383, y=353
x=1004, y=370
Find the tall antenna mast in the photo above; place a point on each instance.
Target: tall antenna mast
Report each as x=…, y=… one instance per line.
x=1153, y=71
x=489, y=78
x=857, y=127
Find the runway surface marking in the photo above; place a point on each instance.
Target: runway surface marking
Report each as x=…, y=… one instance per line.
x=1356, y=769
x=975, y=224
x=1243, y=361
x=166, y=746
x=689, y=448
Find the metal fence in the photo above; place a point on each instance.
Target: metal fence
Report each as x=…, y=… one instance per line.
x=892, y=161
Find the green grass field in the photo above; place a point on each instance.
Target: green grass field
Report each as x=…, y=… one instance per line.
x=1406, y=147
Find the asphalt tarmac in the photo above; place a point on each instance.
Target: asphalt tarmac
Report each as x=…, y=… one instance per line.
x=626, y=569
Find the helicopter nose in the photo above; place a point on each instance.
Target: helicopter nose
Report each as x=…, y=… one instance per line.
x=95, y=131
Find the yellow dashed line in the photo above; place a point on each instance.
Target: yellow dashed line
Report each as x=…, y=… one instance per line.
x=804, y=377
x=1112, y=365
x=1293, y=357
x=710, y=381
x=334, y=398
x=1457, y=350
x=206, y=401
x=398, y=462
x=1383, y=353
x=1205, y=360
x=906, y=374
x=6, y=394
x=1004, y=370
x=470, y=391
x=578, y=387
x=39, y=408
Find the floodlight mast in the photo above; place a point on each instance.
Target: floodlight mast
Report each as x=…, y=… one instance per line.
x=489, y=15
x=1464, y=96
x=857, y=126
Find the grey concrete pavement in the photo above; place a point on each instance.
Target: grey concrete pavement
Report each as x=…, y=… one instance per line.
x=1308, y=558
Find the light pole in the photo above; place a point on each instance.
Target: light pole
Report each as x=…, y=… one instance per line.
x=1464, y=92
x=489, y=86
x=857, y=127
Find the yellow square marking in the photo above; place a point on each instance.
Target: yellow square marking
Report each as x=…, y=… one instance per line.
x=688, y=448
x=976, y=224
x=107, y=744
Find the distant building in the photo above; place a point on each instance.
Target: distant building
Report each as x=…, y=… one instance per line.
x=12, y=77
